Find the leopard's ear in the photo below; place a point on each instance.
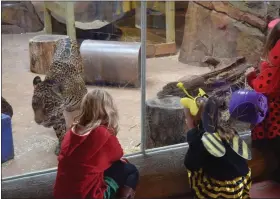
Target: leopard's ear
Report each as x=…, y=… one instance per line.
x=36, y=81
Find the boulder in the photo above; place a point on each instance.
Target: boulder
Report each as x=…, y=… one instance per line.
x=20, y=17
x=273, y=10
x=88, y=14
x=222, y=30
x=39, y=8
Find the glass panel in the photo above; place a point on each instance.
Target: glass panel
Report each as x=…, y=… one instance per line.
x=187, y=40
x=111, y=60
x=165, y=29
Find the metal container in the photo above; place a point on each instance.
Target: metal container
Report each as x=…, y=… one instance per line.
x=111, y=62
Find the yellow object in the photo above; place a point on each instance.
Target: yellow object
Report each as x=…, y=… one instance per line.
x=204, y=186
x=240, y=147
x=213, y=144
x=189, y=101
x=190, y=104
x=126, y=6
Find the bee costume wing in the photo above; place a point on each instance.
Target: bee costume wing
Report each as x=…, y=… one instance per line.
x=210, y=115
x=213, y=144
x=240, y=147
x=211, y=139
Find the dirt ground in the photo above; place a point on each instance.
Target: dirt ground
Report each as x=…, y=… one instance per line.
x=34, y=145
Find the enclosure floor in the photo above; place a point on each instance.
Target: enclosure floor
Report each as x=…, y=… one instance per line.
x=34, y=145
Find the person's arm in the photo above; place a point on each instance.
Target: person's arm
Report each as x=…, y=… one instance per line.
x=195, y=155
x=115, y=151
x=196, y=152
x=267, y=81
x=250, y=75
x=99, y=137
x=251, y=78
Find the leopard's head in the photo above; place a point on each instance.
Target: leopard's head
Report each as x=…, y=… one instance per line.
x=46, y=102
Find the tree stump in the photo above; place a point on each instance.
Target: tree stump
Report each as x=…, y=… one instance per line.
x=41, y=50
x=165, y=122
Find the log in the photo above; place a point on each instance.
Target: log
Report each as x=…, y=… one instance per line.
x=165, y=122
x=41, y=50
x=227, y=76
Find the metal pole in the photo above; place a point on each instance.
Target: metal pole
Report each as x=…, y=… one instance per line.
x=143, y=74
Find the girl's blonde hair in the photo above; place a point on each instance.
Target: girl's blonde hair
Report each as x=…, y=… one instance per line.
x=98, y=108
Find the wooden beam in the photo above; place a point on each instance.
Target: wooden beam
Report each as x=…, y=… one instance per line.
x=154, y=50
x=47, y=19
x=56, y=7
x=170, y=21
x=64, y=10
x=70, y=19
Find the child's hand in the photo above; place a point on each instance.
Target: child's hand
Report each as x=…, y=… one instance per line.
x=249, y=70
x=124, y=160
x=189, y=118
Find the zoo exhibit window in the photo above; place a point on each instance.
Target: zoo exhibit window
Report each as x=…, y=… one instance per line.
x=39, y=43
x=38, y=137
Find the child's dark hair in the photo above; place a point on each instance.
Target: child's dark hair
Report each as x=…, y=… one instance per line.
x=271, y=40
x=224, y=128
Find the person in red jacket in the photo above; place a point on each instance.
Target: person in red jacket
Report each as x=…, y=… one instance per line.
x=90, y=163
x=266, y=135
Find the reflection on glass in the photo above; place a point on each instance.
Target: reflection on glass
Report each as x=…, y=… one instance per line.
x=192, y=43
x=109, y=42
x=185, y=41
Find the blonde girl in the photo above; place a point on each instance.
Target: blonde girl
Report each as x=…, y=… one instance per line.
x=90, y=161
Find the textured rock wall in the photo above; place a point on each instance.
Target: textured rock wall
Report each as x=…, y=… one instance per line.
x=20, y=17
x=224, y=30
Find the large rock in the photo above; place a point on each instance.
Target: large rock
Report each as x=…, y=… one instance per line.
x=39, y=9
x=273, y=9
x=220, y=29
x=88, y=14
x=20, y=17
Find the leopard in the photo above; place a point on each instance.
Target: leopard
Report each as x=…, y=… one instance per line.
x=61, y=90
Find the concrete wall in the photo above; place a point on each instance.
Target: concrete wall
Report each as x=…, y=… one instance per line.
x=161, y=169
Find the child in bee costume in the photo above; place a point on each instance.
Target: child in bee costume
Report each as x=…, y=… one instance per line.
x=217, y=158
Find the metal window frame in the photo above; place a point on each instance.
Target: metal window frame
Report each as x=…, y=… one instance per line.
x=143, y=12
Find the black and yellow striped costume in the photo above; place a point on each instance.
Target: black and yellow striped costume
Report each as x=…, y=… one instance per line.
x=216, y=177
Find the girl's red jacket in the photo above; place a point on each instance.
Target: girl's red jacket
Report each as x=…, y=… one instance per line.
x=82, y=162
